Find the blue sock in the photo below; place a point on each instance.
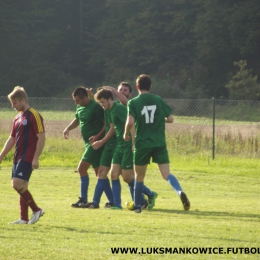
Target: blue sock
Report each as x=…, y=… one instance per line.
x=108, y=191
x=147, y=192
x=98, y=191
x=116, y=189
x=138, y=193
x=174, y=183
x=131, y=188
x=84, y=188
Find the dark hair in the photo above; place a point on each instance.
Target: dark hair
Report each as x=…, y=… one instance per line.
x=144, y=82
x=80, y=92
x=126, y=84
x=104, y=93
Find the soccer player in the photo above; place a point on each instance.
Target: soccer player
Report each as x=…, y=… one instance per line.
x=148, y=114
x=109, y=143
x=122, y=162
x=123, y=92
x=28, y=137
x=90, y=116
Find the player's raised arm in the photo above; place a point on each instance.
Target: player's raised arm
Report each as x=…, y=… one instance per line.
x=90, y=93
x=121, y=97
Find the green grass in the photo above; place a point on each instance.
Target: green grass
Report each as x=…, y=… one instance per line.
x=224, y=195
x=225, y=212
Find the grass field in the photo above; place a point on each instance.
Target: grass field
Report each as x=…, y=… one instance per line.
x=225, y=212
x=224, y=194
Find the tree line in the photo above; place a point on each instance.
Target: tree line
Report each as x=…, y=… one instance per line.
x=190, y=48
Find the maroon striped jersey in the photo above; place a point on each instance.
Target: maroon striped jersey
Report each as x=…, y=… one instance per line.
x=26, y=126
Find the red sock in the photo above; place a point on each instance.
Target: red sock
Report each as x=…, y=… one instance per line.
x=27, y=196
x=24, y=209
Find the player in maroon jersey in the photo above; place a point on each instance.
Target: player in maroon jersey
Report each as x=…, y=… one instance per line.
x=28, y=137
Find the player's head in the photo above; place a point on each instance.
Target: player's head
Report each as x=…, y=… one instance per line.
x=18, y=93
x=18, y=98
x=105, y=98
x=125, y=89
x=80, y=96
x=143, y=82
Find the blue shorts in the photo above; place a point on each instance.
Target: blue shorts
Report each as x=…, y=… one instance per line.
x=22, y=170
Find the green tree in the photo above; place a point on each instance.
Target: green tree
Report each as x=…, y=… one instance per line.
x=243, y=84
x=36, y=47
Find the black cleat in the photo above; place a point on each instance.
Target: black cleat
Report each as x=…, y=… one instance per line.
x=108, y=205
x=80, y=204
x=138, y=210
x=185, y=201
x=92, y=206
x=144, y=204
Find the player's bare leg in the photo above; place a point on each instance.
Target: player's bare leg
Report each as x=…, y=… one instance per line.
x=172, y=180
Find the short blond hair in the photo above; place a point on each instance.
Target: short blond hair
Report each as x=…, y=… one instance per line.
x=18, y=93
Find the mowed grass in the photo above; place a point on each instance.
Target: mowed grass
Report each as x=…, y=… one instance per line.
x=224, y=194
x=225, y=212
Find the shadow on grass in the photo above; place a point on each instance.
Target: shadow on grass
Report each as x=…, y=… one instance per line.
x=256, y=217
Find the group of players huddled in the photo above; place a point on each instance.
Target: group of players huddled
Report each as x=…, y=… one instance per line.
x=120, y=136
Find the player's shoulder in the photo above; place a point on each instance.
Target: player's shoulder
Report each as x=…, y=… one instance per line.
x=155, y=96
x=95, y=105
x=118, y=105
x=34, y=112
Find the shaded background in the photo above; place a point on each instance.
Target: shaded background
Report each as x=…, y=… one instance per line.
x=187, y=47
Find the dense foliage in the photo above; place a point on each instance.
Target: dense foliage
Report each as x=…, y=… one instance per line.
x=189, y=47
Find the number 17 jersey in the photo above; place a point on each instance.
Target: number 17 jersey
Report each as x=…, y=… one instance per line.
x=149, y=112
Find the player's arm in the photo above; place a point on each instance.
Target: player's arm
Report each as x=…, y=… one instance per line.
x=7, y=147
x=107, y=137
x=169, y=119
x=122, y=98
x=132, y=131
x=74, y=123
x=98, y=136
x=90, y=93
x=39, y=148
x=128, y=126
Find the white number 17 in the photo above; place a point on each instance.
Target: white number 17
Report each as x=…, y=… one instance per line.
x=145, y=112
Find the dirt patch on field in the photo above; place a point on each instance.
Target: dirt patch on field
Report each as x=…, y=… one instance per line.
x=243, y=131
x=54, y=128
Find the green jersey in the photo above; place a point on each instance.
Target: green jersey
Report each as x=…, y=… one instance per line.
x=111, y=142
x=91, y=119
x=149, y=112
x=118, y=114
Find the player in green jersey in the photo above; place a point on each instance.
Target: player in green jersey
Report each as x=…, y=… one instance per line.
x=90, y=117
x=109, y=143
x=148, y=114
x=123, y=93
x=122, y=163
